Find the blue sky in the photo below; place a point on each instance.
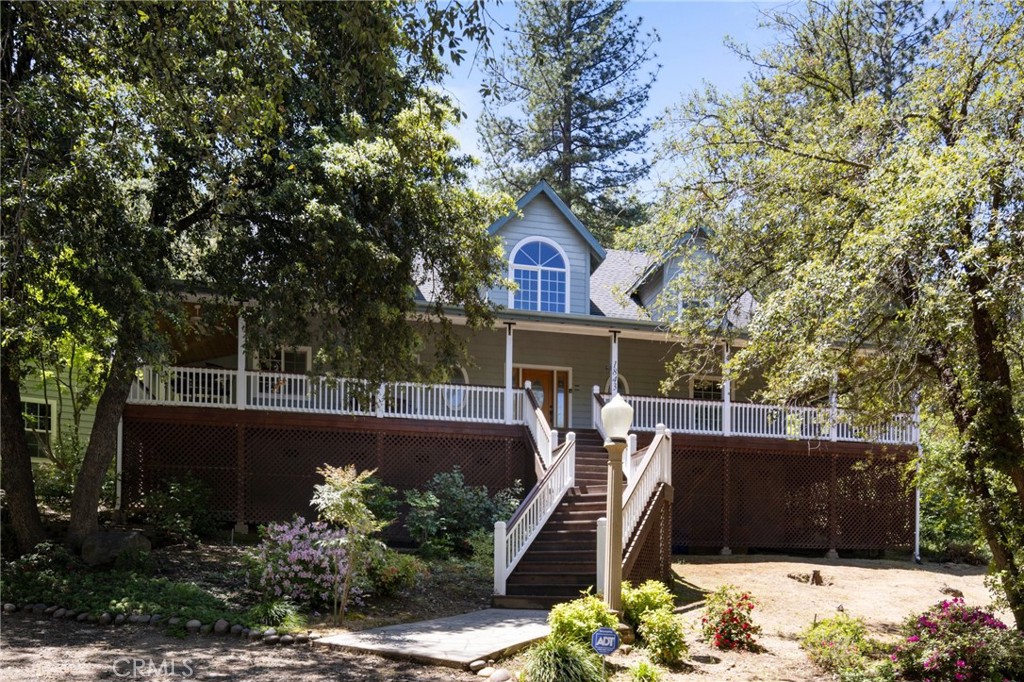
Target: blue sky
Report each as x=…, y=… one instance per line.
x=691, y=51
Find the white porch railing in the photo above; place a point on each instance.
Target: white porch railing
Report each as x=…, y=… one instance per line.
x=282, y=392
x=654, y=468
x=544, y=437
x=513, y=539
x=184, y=386
x=705, y=417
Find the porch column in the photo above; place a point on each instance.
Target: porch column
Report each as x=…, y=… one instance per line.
x=240, y=387
x=613, y=384
x=726, y=394
x=509, y=402
x=833, y=417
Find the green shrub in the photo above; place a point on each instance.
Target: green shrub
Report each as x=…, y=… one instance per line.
x=839, y=644
x=561, y=660
x=727, y=621
x=389, y=572
x=481, y=544
x=577, y=620
x=649, y=596
x=645, y=671
x=180, y=510
x=442, y=517
x=663, y=636
x=382, y=500
x=279, y=613
x=952, y=641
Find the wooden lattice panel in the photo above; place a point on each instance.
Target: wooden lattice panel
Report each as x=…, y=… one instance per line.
x=654, y=556
x=262, y=466
x=155, y=452
x=745, y=494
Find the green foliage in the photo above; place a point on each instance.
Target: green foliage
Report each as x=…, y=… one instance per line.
x=564, y=103
x=645, y=671
x=389, y=572
x=306, y=169
x=840, y=644
x=179, y=511
x=443, y=517
x=382, y=501
x=562, y=660
x=662, y=634
x=649, y=596
x=727, y=622
x=53, y=576
x=952, y=641
x=864, y=189
x=481, y=544
x=279, y=613
x=577, y=620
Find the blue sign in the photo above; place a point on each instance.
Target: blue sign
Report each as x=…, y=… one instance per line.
x=605, y=641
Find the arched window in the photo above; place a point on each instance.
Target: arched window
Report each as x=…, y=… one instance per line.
x=623, y=385
x=455, y=395
x=540, y=269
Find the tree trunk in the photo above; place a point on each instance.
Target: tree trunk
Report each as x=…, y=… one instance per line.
x=16, y=465
x=101, y=450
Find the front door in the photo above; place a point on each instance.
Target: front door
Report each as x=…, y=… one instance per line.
x=551, y=389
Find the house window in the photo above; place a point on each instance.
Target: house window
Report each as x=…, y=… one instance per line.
x=540, y=270
x=455, y=395
x=298, y=360
x=707, y=389
x=38, y=427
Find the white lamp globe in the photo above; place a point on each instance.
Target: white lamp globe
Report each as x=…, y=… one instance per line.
x=617, y=417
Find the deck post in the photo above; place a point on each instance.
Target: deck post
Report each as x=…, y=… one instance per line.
x=240, y=387
x=499, y=558
x=613, y=379
x=833, y=406
x=726, y=395
x=119, y=470
x=508, y=372
x=602, y=551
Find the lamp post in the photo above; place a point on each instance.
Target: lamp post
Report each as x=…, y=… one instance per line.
x=617, y=417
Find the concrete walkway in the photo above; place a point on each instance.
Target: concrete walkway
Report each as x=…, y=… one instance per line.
x=455, y=641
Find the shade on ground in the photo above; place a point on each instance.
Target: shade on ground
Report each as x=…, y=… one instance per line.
x=455, y=641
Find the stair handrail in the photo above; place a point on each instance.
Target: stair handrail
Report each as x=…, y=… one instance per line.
x=598, y=422
x=654, y=468
x=513, y=538
x=545, y=440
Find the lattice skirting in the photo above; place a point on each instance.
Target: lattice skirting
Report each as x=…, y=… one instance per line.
x=799, y=495
x=262, y=466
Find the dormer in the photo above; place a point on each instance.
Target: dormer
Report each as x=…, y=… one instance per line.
x=549, y=253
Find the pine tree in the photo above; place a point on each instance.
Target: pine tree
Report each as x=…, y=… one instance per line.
x=564, y=103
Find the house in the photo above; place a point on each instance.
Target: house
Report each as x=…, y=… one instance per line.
x=725, y=473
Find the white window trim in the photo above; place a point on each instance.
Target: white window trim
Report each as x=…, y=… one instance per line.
x=455, y=394
x=710, y=377
x=512, y=268
x=280, y=356
x=53, y=423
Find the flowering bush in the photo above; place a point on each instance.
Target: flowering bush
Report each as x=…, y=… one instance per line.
x=303, y=561
x=727, y=621
x=955, y=642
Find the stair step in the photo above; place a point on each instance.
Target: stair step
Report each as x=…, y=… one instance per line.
x=553, y=556
x=544, y=602
x=528, y=566
x=569, y=592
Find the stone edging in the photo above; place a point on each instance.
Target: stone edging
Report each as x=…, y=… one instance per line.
x=193, y=626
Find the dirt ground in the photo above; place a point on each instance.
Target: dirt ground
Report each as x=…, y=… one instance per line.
x=884, y=593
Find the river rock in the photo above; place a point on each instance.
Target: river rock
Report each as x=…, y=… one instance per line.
x=287, y=639
x=271, y=639
x=477, y=665
x=50, y=610
x=236, y=629
x=221, y=627
x=500, y=675
x=193, y=626
x=485, y=672
x=206, y=629
x=82, y=617
x=119, y=619
x=59, y=613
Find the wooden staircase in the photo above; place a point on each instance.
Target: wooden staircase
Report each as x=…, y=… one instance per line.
x=562, y=561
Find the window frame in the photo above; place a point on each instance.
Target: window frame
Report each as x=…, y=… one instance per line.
x=278, y=356
x=37, y=434
x=539, y=269
x=709, y=378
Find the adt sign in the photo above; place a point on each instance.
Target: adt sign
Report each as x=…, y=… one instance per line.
x=604, y=641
